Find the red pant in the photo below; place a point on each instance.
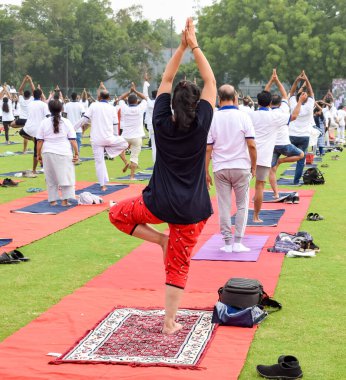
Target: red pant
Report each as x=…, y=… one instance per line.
x=128, y=214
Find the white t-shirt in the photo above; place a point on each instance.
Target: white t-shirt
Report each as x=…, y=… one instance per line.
x=37, y=111
x=228, y=133
x=282, y=137
x=246, y=109
x=103, y=117
x=7, y=116
x=74, y=111
x=148, y=120
x=24, y=103
x=266, y=123
x=85, y=104
x=341, y=117
x=57, y=143
x=333, y=116
x=305, y=120
x=132, y=119
x=326, y=114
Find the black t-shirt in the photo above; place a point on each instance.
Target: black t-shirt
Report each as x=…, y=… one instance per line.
x=177, y=192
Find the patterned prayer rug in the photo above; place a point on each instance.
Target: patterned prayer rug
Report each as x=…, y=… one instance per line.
x=133, y=337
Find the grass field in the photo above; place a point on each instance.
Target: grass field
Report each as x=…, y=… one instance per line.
x=310, y=325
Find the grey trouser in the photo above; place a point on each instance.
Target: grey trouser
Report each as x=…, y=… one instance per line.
x=225, y=181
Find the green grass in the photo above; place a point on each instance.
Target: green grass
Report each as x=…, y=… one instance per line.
x=311, y=290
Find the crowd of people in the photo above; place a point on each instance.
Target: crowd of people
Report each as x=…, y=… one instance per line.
x=243, y=139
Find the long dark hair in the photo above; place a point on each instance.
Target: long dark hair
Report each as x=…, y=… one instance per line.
x=185, y=99
x=55, y=107
x=5, y=107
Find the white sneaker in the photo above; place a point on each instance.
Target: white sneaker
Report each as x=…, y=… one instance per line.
x=226, y=248
x=112, y=203
x=239, y=247
x=301, y=254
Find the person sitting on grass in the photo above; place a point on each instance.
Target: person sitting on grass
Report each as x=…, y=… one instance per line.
x=55, y=137
x=177, y=192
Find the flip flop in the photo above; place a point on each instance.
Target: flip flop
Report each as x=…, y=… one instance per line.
x=17, y=255
x=310, y=216
x=318, y=217
x=7, y=259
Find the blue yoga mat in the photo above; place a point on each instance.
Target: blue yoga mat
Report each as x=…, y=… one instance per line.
x=268, y=196
x=45, y=208
x=5, y=242
x=83, y=159
x=306, y=166
x=270, y=218
x=12, y=174
x=11, y=143
x=138, y=177
x=288, y=182
x=317, y=159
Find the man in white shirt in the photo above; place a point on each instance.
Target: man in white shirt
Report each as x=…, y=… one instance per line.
x=102, y=117
x=342, y=122
x=232, y=147
x=247, y=105
x=74, y=111
x=266, y=124
x=132, y=123
x=37, y=111
x=283, y=144
x=300, y=128
x=24, y=100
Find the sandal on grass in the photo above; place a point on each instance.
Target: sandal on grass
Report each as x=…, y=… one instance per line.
x=7, y=259
x=17, y=255
x=314, y=217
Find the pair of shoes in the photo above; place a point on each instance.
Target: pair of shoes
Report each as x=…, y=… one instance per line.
x=287, y=368
x=5, y=258
x=8, y=182
x=237, y=247
x=292, y=198
x=314, y=217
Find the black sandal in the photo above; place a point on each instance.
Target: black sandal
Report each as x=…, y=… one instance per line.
x=7, y=259
x=17, y=255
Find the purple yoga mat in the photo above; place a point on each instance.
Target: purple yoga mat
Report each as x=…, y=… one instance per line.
x=211, y=249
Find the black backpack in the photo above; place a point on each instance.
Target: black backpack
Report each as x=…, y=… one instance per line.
x=313, y=176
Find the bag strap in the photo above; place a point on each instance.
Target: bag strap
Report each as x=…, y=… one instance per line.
x=269, y=302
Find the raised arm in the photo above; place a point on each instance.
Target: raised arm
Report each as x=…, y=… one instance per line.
x=295, y=84
x=21, y=88
x=279, y=85
x=139, y=94
x=31, y=83
x=308, y=85
x=172, y=67
x=270, y=83
x=303, y=97
x=209, y=88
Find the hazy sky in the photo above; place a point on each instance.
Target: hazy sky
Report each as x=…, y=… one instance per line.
x=178, y=9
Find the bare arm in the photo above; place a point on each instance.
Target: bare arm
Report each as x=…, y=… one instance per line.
x=279, y=85
x=207, y=163
x=21, y=88
x=251, y=146
x=308, y=86
x=75, y=150
x=39, y=150
x=31, y=83
x=296, y=110
x=209, y=88
x=295, y=84
x=172, y=68
x=139, y=94
x=270, y=83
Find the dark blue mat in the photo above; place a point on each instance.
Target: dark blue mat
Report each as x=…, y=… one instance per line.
x=83, y=159
x=5, y=242
x=138, y=177
x=45, y=208
x=288, y=182
x=268, y=196
x=306, y=166
x=12, y=174
x=270, y=218
x=289, y=172
x=11, y=143
x=317, y=159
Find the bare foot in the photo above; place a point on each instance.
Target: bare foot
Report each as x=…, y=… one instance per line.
x=103, y=188
x=126, y=167
x=169, y=330
x=54, y=203
x=276, y=196
x=257, y=220
x=132, y=178
x=65, y=204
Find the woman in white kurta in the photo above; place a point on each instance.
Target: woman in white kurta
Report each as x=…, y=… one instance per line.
x=57, y=149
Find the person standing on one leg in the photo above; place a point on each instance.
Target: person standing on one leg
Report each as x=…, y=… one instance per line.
x=102, y=116
x=283, y=144
x=231, y=143
x=177, y=192
x=74, y=111
x=266, y=124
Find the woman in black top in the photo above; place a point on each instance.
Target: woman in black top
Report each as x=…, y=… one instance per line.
x=177, y=192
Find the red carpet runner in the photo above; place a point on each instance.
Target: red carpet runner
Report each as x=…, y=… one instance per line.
x=137, y=281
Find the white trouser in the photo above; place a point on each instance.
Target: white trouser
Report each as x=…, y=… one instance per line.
x=113, y=149
x=153, y=145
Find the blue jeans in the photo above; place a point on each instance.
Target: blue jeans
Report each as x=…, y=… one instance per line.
x=301, y=143
x=79, y=140
x=288, y=150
